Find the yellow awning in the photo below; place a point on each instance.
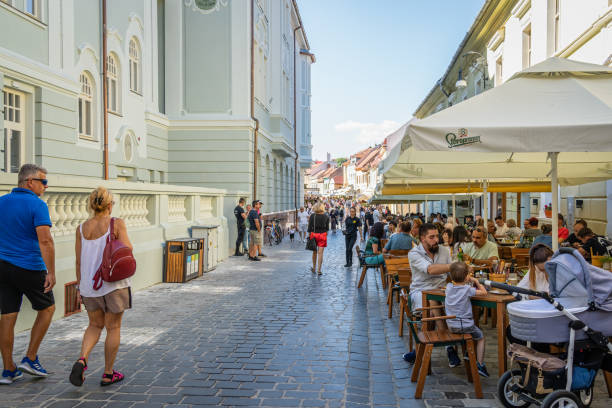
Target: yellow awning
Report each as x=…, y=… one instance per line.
x=450, y=188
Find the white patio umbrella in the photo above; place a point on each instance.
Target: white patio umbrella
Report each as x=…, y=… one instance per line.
x=559, y=110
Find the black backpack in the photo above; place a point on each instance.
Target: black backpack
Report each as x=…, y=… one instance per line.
x=606, y=243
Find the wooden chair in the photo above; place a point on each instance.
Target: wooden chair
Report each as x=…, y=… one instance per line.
x=398, y=252
x=505, y=252
x=521, y=255
x=427, y=340
x=395, y=266
x=364, y=267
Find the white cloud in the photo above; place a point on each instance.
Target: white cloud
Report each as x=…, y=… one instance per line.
x=367, y=133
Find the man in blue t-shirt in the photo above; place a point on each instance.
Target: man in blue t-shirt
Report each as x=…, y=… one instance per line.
x=27, y=267
x=255, y=227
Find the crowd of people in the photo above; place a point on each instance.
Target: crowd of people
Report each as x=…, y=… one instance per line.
x=439, y=247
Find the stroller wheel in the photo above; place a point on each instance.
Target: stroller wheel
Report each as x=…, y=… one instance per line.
x=585, y=396
x=561, y=399
x=509, y=398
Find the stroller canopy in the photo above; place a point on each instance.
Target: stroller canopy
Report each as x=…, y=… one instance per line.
x=569, y=275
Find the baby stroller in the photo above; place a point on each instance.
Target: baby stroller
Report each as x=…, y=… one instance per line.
x=577, y=314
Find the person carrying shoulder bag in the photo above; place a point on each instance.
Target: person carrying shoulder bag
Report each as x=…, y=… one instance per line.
x=318, y=225
x=106, y=304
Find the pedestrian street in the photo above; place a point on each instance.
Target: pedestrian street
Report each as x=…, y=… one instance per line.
x=268, y=334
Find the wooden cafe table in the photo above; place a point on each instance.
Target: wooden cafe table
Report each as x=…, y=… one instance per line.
x=491, y=301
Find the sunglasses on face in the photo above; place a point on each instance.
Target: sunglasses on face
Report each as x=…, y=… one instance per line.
x=43, y=181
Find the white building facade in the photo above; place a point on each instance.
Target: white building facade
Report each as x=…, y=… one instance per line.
x=511, y=35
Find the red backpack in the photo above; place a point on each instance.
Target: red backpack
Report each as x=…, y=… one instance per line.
x=117, y=261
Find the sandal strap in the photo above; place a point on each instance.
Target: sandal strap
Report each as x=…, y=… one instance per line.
x=116, y=375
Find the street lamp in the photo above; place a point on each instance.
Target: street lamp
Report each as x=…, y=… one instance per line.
x=461, y=83
x=480, y=61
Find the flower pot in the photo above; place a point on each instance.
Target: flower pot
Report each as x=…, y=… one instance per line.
x=596, y=260
x=548, y=213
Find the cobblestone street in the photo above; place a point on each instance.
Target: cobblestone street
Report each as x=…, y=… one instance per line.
x=267, y=334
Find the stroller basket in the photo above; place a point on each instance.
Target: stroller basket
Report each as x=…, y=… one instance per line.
x=541, y=373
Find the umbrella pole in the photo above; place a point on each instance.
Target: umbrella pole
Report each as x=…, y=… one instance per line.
x=454, y=211
x=554, y=188
x=426, y=208
x=485, y=203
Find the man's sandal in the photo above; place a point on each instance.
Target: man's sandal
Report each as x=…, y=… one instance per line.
x=115, y=377
x=77, y=376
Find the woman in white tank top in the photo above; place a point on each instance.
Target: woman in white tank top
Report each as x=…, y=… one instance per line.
x=104, y=306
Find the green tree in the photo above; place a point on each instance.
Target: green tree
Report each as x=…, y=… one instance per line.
x=340, y=160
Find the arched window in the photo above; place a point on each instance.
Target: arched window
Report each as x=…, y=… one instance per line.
x=86, y=107
x=112, y=84
x=134, y=66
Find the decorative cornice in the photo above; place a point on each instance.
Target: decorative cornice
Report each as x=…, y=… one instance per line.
x=521, y=8
x=85, y=47
x=497, y=39
x=136, y=18
x=592, y=31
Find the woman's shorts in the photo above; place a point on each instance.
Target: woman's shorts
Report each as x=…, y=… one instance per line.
x=114, y=302
x=320, y=238
x=255, y=237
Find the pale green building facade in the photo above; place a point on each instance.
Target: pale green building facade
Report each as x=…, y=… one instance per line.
x=181, y=132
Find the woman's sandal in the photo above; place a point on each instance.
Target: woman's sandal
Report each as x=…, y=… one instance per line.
x=77, y=377
x=115, y=377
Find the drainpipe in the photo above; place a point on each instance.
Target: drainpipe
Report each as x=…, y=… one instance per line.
x=253, y=118
x=296, y=187
x=104, y=90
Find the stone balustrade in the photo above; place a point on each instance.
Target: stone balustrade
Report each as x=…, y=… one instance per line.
x=177, y=208
x=153, y=214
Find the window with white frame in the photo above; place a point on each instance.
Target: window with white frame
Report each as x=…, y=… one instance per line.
x=498, y=71
x=86, y=110
x=14, y=130
x=556, y=24
x=33, y=7
x=135, y=66
x=527, y=47
x=261, y=63
x=112, y=84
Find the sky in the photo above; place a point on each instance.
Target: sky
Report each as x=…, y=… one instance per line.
x=375, y=62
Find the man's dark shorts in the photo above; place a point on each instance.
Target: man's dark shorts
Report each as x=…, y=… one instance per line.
x=16, y=282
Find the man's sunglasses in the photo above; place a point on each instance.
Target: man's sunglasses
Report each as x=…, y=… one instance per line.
x=43, y=181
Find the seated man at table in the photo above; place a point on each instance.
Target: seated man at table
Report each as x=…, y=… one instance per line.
x=480, y=250
x=531, y=231
x=590, y=244
x=501, y=229
x=402, y=239
x=430, y=264
x=544, y=238
x=573, y=239
x=491, y=231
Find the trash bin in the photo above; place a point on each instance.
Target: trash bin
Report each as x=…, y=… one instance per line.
x=183, y=259
x=209, y=234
